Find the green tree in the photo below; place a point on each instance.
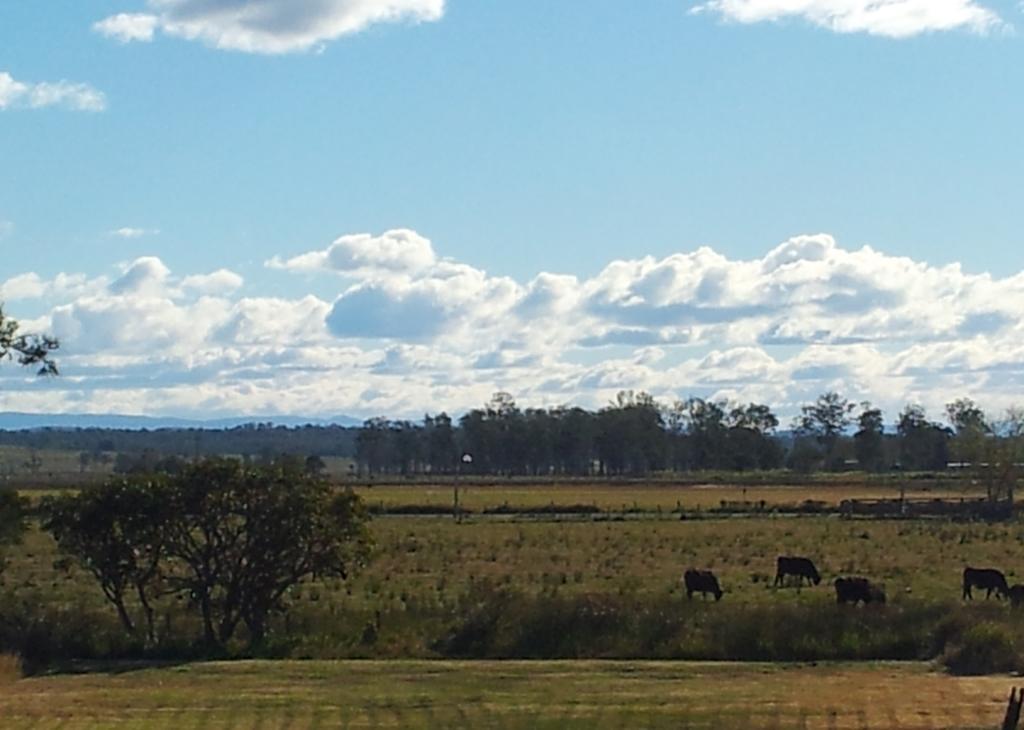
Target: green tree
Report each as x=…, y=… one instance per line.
x=241, y=538
x=825, y=420
x=115, y=532
x=751, y=438
x=999, y=465
x=232, y=539
x=923, y=444
x=971, y=431
x=869, y=440
x=630, y=435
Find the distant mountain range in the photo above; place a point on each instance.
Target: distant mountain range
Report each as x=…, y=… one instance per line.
x=12, y=421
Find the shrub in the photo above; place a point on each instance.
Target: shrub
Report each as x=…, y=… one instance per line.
x=985, y=648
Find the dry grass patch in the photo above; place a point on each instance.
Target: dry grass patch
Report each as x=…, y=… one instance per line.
x=510, y=695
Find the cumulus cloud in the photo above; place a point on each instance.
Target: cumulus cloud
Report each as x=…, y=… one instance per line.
x=398, y=251
x=221, y=281
x=409, y=331
x=146, y=275
x=890, y=18
x=264, y=26
x=64, y=94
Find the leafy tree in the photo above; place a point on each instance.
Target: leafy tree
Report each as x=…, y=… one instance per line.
x=971, y=430
x=26, y=349
x=572, y=435
x=705, y=427
x=405, y=437
x=923, y=444
x=439, y=447
x=630, y=435
x=242, y=538
x=999, y=465
x=374, y=449
x=825, y=420
x=869, y=440
x=231, y=539
x=116, y=533
x=751, y=438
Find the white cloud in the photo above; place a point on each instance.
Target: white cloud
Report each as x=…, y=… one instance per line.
x=409, y=332
x=127, y=27
x=65, y=94
x=131, y=232
x=23, y=286
x=147, y=275
x=11, y=91
x=396, y=251
x=221, y=281
x=264, y=26
x=890, y=18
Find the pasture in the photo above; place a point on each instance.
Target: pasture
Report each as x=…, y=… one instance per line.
x=579, y=590
x=435, y=558
x=410, y=694
x=612, y=581
x=655, y=496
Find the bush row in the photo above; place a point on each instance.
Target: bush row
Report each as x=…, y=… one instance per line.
x=494, y=623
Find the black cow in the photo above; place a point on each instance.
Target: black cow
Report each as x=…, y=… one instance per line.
x=703, y=582
x=1016, y=595
x=988, y=578
x=800, y=567
x=858, y=590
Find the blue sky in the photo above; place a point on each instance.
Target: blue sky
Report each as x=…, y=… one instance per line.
x=534, y=144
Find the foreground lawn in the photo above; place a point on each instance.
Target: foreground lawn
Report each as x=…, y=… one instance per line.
x=408, y=694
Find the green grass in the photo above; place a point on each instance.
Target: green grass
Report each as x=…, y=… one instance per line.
x=403, y=694
x=436, y=558
x=427, y=573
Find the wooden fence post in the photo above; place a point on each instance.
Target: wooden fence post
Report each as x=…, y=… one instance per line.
x=1012, y=719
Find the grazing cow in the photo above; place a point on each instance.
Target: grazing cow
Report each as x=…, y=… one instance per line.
x=988, y=578
x=1016, y=595
x=800, y=567
x=703, y=582
x=858, y=590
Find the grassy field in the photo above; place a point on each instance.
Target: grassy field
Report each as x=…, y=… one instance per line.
x=404, y=694
x=435, y=558
x=613, y=583
x=429, y=575
x=610, y=586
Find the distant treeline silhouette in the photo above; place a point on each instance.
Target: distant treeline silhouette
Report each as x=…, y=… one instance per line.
x=251, y=439
x=637, y=435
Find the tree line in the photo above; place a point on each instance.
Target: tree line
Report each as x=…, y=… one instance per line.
x=252, y=439
x=637, y=435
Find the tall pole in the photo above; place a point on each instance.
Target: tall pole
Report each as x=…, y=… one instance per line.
x=466, y=459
